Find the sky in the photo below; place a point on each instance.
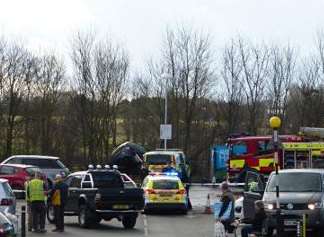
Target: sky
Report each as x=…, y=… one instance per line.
x=139, y=25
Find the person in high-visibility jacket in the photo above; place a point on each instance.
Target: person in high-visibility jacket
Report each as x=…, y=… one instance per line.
x=36, y=195
x=29, y=212
x=58, y=198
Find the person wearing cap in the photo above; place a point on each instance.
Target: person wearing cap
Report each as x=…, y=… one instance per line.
x=36, y=189
x=58, y=198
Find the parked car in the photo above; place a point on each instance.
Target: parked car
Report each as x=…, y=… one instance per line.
x=7, y=228
x=50, y=165
x=98, y=194
x=7, y=197
x=17, y=175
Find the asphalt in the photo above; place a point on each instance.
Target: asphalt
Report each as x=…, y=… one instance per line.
x=194, y=224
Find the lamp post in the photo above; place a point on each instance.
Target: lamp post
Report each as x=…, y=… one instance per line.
x=165, y=77
x=275, y=123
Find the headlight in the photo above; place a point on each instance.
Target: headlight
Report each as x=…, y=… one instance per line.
x=269, y=206
x=312, y=206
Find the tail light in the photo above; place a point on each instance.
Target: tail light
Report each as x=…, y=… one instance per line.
x=6, y=202
x=150, y=191
x=181, y=191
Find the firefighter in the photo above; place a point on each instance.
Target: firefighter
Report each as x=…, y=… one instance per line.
x=36, y=195
x=58, y=198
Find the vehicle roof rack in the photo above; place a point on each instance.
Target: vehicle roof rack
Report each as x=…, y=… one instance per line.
x=169, y=149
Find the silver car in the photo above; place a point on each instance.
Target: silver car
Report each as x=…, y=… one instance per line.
x=7, y=198
x=301, y=192
x=49, y=165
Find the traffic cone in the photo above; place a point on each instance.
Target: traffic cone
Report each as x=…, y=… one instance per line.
x=208, y=209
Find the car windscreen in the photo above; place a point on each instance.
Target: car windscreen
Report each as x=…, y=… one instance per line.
x=105, y=180
x=158, y=159
x=42, y=163
x=165, y=184
x=296, y=182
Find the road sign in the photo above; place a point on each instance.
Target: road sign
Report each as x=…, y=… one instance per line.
x=165, y=131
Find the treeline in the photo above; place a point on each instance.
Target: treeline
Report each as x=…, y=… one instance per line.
x=212, y=92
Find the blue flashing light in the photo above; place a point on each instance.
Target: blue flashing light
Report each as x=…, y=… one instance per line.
x=172, y=173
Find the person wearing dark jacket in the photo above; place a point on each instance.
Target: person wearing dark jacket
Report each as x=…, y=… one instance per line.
x=257, y=221
x=227, y=199
x=58, y=197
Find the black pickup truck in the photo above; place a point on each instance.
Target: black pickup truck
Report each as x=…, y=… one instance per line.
x=102, y=194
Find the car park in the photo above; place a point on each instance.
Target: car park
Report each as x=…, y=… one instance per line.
x=164, y=192
x=50, y=165
x=17, y=175
x=100, y=193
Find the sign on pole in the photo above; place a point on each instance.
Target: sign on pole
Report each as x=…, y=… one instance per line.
x=165, y=131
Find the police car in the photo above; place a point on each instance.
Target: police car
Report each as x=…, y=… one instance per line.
x=164, y=191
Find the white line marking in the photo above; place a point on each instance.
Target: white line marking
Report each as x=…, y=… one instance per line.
x=145, y=225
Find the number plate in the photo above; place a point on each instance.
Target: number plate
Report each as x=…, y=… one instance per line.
x=120, y=206
x=290, y=222
x=165, y=194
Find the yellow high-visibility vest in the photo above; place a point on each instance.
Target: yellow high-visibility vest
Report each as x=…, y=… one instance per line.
x=36, y=190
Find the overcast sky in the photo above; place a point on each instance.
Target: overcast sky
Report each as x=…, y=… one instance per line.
x=139, y=24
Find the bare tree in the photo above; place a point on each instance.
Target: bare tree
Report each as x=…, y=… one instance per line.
x=233, y=94
x=282, y=72
x=255, y=63
x=49, y=85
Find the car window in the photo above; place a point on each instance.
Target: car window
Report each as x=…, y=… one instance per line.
x=165, y=184
x=182, y=160
x=158, y=159
x=42, y=163
x=87, y=178
x=14, y=161
x=32, y=170
x=7, y=189
x=296, y=182
x=104, y=180
x=7, y=170
x=76, y=182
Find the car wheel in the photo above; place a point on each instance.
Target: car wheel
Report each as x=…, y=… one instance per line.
x=50, y=214
x=85, y=218
x=129, y=222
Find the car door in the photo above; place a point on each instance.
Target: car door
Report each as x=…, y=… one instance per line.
x=253, y=191
x=74, y=184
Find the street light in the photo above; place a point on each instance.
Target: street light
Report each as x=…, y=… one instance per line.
x=275, y=123
x=165, y=77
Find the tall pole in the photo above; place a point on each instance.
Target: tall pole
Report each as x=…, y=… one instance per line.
x=166, y=109
x=276, y=158
x=275, y=123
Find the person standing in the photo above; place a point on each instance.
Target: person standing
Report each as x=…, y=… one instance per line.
x=227, y=199
x=29, y=212
x=36, y=196
x=58, y=198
